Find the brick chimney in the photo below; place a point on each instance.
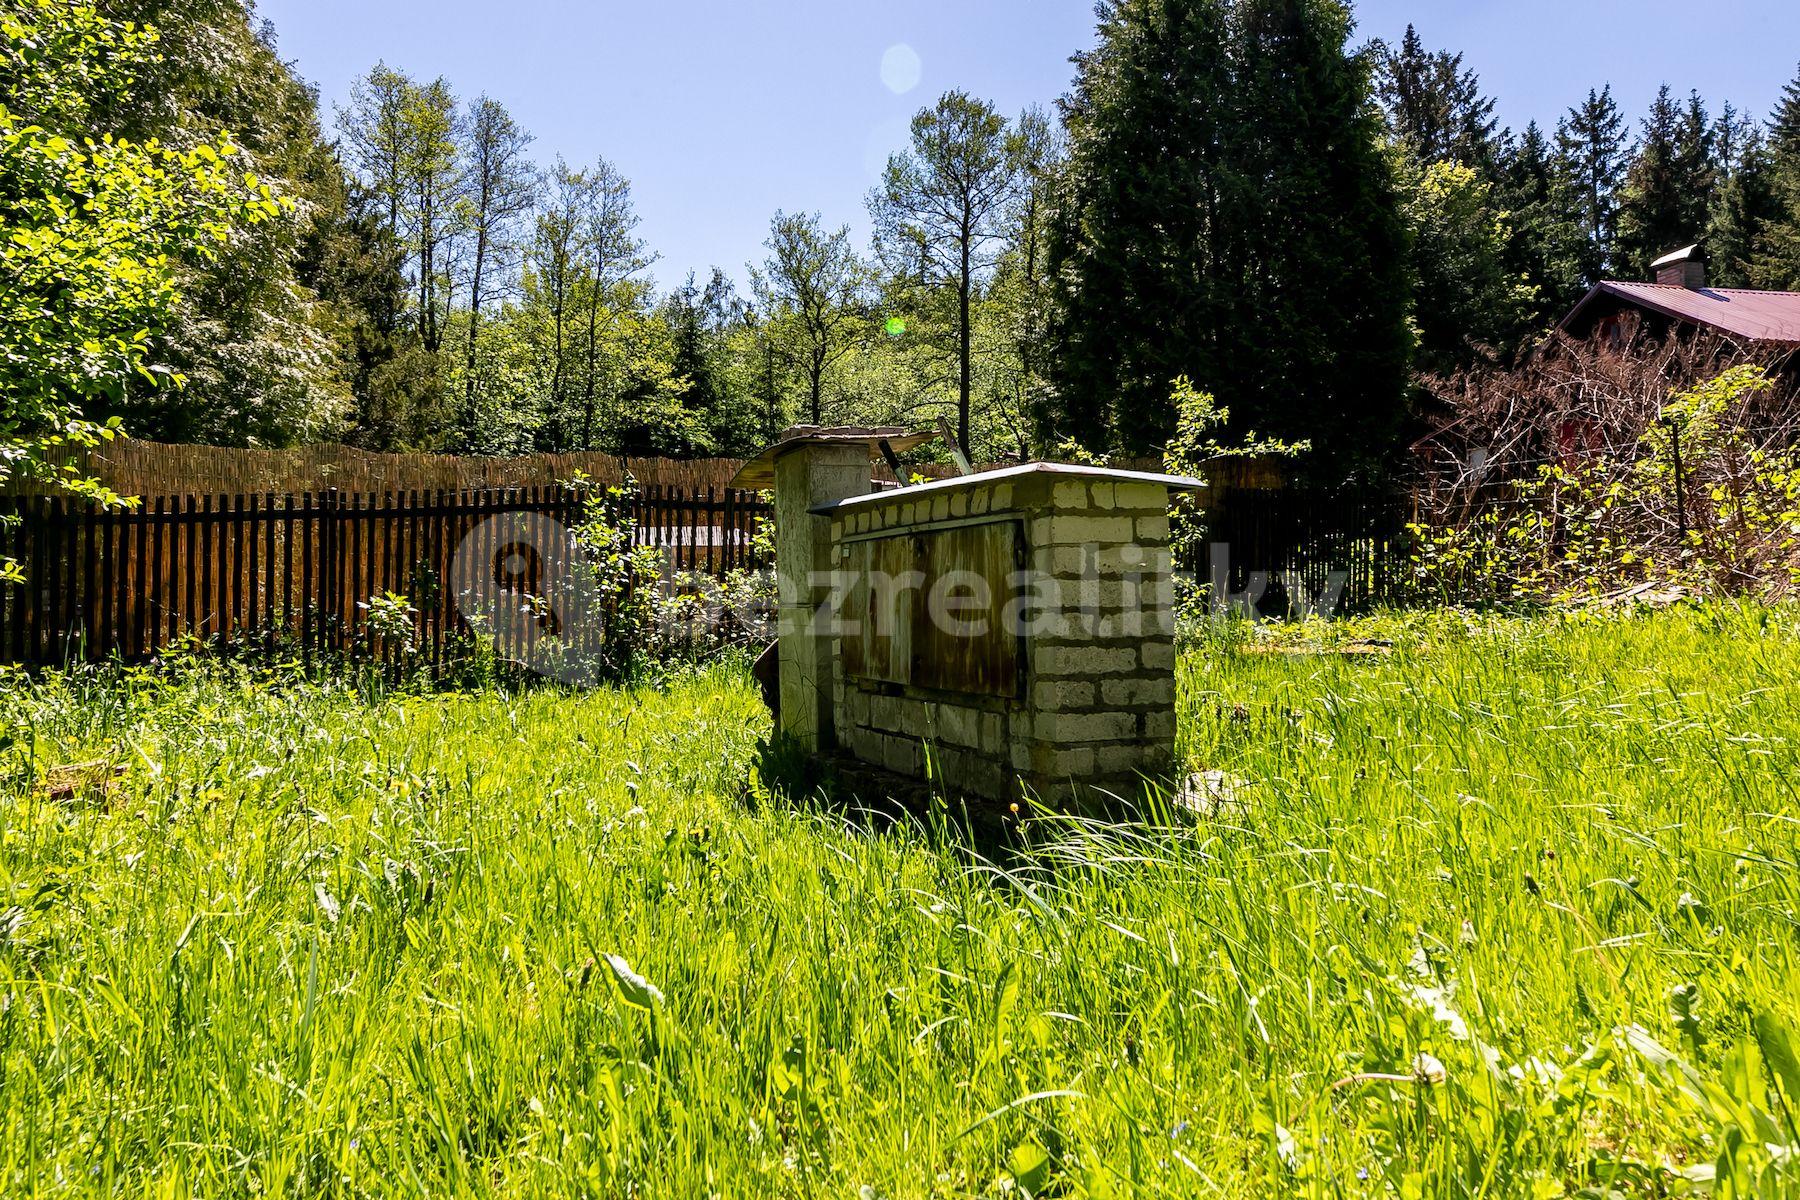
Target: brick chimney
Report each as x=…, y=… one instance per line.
x=1684, y=268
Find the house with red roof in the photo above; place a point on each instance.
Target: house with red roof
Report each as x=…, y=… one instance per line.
x=1680, y=298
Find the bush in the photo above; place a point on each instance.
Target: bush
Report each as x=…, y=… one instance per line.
x=1588, y=474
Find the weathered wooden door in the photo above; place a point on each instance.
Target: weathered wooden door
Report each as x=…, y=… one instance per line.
x=937, y=609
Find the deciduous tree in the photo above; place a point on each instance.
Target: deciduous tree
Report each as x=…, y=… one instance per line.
x=814, y=286
x=90, y=225
x=499, y=190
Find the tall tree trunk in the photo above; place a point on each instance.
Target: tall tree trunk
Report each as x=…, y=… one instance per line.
x=481, y=241
x=587, y=409
x=428, y=332
x=963, y=342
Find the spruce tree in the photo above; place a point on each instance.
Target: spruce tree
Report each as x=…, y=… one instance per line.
x=1742, y=202
x=1546, y=247
x=1435, y=106
x=1590, y=148
x=1228, y=214
x=1136, y=242
x=1777, y=258
x=1668, y=187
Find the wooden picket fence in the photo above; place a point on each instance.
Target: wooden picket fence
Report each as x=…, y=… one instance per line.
x=1350, y=549
x=299, y=570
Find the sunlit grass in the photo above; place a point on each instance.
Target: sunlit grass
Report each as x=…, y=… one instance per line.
x=1457, y=897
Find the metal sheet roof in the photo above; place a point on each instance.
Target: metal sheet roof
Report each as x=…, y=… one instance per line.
x=1175, y=483
x=759, y=473
x=1758, y=316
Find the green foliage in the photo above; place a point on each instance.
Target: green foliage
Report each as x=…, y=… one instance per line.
x=1435, y=107
x=263, y=330
x=621, y=583
x=1696, y=503
x=1502, y=911
x=1742, y=207
x=1777, y=263
x=90, y=227
x=1591, y=147
x=392, y=624
x=1287, y=296
x=813, y=289
x=1198, y=423
x=1546, y=251
x=1667, y=195
x=941, y=219
x=1464, y=296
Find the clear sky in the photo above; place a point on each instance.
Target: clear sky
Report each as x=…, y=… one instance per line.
x=720, y=113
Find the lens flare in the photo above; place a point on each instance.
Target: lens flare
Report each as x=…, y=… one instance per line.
x=901, y=68
x=896, y=327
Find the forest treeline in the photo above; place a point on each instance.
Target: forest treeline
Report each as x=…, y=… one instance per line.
x=1238, y=192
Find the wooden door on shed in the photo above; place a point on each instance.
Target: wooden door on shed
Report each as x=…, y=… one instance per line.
x=937, y=609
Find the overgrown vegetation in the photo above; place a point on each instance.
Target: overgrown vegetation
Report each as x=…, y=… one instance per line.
x=1477, y=907
x=91, y=223
x=1590, y=474
x=427, y=278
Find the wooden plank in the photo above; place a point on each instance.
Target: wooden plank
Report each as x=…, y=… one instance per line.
x=439, y=612
x=187, y=564
x=144, y=586
x=930, y=607
x=37, y=637
x=90, y=573
x=18, y=531
x=204, y=617
x=287, y=569
x=324, y=635
x=101, y=640
x=267, y=579
x=356, y=564
x=252, y=575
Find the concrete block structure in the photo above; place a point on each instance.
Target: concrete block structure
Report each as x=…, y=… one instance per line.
x=1003, y=632
x=1009, y=630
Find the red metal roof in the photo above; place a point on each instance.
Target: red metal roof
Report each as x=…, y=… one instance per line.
x=1758, y=316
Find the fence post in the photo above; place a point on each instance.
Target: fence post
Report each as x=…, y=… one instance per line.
x=328, y=570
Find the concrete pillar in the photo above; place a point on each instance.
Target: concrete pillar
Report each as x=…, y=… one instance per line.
x=807, y=475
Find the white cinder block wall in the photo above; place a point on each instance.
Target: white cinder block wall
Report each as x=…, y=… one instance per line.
x=1084, y=700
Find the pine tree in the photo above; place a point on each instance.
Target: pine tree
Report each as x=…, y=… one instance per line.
x=1228, y=214
x=1590, y=149
x=1668, y=188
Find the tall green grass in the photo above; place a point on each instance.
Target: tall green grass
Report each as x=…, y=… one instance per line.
x=1506, y=909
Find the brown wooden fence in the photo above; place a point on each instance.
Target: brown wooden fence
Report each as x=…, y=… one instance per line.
x=299, y=569
x=1347, y=551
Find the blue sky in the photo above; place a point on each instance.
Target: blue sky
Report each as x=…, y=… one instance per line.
x=720, y=113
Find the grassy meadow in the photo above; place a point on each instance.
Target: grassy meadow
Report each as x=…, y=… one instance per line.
x=1479, y=907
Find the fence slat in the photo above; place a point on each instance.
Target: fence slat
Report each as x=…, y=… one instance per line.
x=13, y=599
x=226, y=567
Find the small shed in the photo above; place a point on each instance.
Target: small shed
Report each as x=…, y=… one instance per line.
x=1004, y=630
